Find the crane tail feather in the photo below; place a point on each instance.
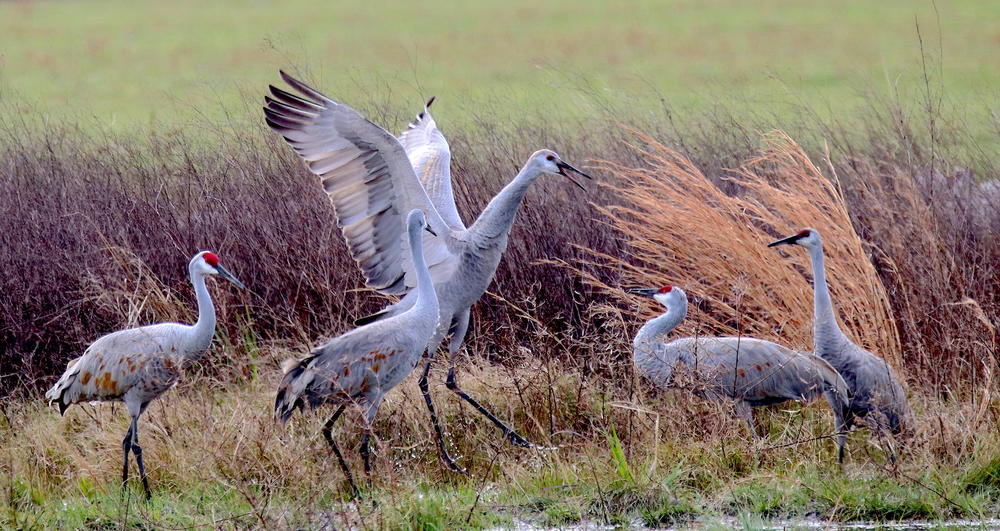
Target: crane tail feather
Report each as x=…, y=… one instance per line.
x=66, y=391
x=294, y=383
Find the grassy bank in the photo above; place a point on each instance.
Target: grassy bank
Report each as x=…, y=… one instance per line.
x=625, y=455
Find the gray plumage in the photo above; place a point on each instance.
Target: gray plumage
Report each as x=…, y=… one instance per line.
x=750, y=371
x=876, y=393
x=371, y=177
x=361, y=366
x=137, y=365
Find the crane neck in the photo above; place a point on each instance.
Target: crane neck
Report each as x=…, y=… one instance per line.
x=203, y=330
x=656, y=330
x=826, y=330
x=426, y=296
x=498, y=217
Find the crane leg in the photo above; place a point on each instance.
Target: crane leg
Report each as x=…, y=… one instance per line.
x=126, y=448
x=890, y=445
x=365, y=454
x=746, y=413
x=425, y=390
x=458, y=336
x=137, y=450
x=328, y=435
x=514, y=437
x=369, y=415
x=843, y=425
x=880, y=427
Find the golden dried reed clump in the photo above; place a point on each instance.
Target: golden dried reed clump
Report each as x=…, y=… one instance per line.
x=129, y=288
x=682, y=229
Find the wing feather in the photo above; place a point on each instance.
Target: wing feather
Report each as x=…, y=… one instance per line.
x=369, y=179
x=430, y=156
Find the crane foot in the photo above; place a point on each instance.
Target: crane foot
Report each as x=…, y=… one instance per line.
x=512, y=436
x=449, y=462
x=517, y=440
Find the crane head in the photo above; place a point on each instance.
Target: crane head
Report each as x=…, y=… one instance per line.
x=549, y=161
x=668, y=296
x=207, y=263
x=805, y=237
x=417, y=219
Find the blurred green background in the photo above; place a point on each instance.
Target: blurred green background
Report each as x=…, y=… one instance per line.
x=130, y=64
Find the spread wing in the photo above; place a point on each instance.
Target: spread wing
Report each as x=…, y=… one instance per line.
x=370, y=181
x=430, y=156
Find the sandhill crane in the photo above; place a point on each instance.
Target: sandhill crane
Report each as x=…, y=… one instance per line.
x=752, y=372
x=876, y=392
x=372, y=177
x=137, y=365
x=364, y=364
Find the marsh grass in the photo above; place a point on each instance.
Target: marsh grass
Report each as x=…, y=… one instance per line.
x=215, y=457
x=97, y=229
x=683, y=229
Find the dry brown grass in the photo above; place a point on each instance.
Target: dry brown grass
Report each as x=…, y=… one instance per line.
x=682, y=229
x=213, y=449
x=107, y=215
x=88, y=219
x=939, y=260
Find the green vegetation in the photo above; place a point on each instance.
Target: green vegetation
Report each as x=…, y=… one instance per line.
x=985, y=477
x=132, y=64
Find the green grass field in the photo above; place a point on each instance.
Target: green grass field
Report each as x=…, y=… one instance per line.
x=130, y=64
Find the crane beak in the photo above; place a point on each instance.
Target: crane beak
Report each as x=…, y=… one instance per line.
x=430, y=230
x=564, y=168
x=644, y=292
x=229, y=276
x=785, y=241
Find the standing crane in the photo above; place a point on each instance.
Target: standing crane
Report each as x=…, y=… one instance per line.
x=138, y=365
x=371, y=177
x=752, y=372
x=876, y=393
x=364, y=364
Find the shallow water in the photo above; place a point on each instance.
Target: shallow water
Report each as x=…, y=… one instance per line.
x=897, y=526
x=734, y=523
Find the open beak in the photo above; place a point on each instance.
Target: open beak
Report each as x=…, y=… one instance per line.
x=645, y=292
x=229, y=276
x=785, y=241
x=564, y=168
x=430, y=230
